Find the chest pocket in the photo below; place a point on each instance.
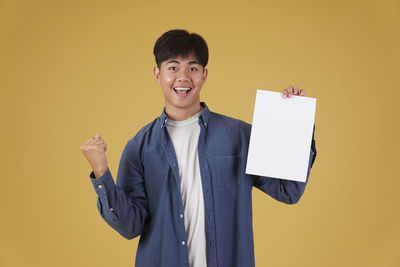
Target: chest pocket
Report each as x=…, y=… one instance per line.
x=228, y=171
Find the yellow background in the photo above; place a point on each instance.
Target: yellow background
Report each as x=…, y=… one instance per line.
x=72, y=69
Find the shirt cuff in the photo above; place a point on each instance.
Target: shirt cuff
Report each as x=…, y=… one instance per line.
x=103, y=182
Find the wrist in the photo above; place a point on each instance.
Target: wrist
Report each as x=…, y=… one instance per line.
x=98, y=172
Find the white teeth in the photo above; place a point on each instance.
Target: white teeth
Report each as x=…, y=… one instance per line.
x=182, y=89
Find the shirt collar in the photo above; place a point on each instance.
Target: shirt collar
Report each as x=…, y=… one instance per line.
x=204, y=116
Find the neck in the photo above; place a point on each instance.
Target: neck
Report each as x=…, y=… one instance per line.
x=181, y=114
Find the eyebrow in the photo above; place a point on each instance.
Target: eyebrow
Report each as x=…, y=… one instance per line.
x=173, y=61
x=190, y=63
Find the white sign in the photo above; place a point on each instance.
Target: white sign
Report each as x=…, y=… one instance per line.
x=281, y=136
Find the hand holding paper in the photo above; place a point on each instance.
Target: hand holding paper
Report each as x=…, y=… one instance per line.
x=281, y=134
x=293, y=90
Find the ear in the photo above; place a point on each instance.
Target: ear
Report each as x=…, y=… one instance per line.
x=205, y=74
x=156, y=72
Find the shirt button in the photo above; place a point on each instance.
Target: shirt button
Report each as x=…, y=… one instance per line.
x=183, y=243
x=100, y=186
x=181, y=215
x=111, y=209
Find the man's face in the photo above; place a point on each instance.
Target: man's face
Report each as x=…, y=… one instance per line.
x=181, y=80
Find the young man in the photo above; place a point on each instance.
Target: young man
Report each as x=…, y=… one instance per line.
x=181, y=182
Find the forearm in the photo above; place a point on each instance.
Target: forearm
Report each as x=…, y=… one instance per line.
x=123, y=213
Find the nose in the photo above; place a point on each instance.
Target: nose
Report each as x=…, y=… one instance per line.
x=182, y=75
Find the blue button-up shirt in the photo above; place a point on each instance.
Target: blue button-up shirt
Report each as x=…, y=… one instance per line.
x=146, y=198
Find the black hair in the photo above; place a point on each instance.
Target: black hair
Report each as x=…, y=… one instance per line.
x=176, y=43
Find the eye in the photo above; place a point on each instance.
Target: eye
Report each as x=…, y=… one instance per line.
x=173, y=68
x=192, y=69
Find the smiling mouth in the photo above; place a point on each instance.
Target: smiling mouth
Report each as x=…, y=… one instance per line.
x=182, y=91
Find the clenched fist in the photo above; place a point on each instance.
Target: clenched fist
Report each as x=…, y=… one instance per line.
x=94, y=150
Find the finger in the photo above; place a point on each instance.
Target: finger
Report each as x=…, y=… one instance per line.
x=95, y=148
x=290, y=91
x=89, y=140
x=295, y=90
x=284, y=93
x=96, y=138
x=302, y=92
x=98, y=142
x=85, y=147
x=101, y=147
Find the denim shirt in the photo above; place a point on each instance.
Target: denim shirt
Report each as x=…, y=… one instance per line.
x=146, y=198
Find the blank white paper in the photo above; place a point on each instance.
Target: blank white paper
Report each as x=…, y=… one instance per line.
x=281, y=136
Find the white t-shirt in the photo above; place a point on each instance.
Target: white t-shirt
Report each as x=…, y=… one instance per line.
x=185, y=137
